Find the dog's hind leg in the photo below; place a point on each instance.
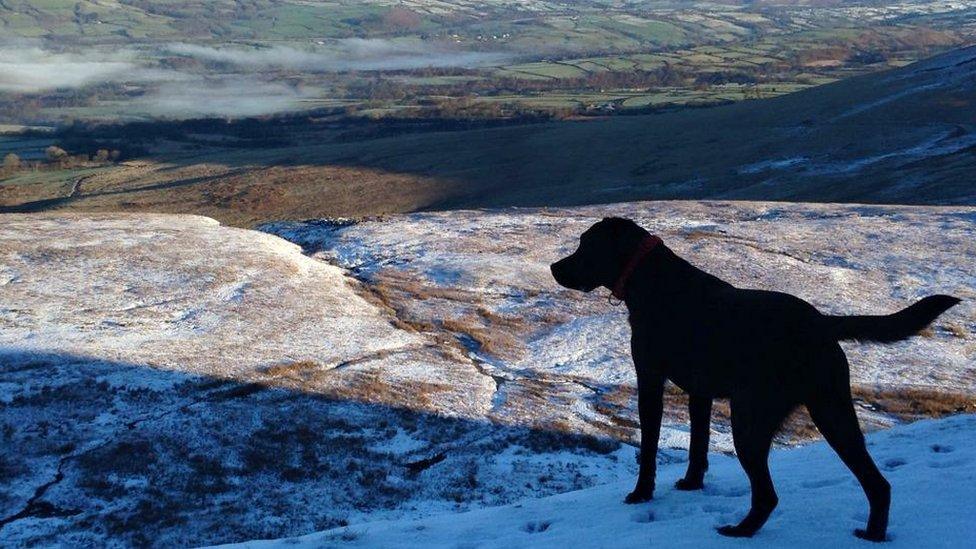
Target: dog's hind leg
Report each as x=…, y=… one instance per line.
x=754, y=423
x=834, y=415
x=700, y=412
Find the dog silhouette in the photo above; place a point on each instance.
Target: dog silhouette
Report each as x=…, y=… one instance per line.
x=767, y=352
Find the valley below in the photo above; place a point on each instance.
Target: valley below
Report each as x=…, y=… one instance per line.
x=904, y=136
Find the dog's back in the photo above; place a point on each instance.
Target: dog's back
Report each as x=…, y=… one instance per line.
x=716, y=338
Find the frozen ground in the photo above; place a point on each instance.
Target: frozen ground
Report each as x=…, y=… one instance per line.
x=930, y=464
x=168, y=381
x=483, y=277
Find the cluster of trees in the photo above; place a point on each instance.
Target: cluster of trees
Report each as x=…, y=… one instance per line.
x=12, y=164
x=56, y=157
x=450, y=108
x=26, y=108
x=382, y=89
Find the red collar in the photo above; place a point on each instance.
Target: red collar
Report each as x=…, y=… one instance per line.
x=649, y=243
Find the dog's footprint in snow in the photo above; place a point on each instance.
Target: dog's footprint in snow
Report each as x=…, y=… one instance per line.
x=730, y=492
x=821, y=483
x=535, y=527
x=662, y=513
x=941, y=448
x=948, y=463
x=643, y=517
x=893, y=464
x=713, y=509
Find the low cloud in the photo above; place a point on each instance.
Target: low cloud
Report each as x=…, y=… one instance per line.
x=33, y=69
x=28, y=67
x=233, y=96
x=347, y=54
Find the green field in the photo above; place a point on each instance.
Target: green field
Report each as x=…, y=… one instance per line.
x=544, y=56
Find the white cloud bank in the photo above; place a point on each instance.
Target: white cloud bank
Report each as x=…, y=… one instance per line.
x=235, y=96
x=30, y=68
x=346, y=54
x=33, y=69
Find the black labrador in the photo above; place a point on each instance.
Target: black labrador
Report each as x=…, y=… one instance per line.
x=768, y=352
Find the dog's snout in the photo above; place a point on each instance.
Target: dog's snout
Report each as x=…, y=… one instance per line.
x=564, y=273
x=558, y=271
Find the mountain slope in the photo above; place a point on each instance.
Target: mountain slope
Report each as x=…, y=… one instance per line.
x=904, y=136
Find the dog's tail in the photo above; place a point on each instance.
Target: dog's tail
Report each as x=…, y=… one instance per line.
x=894, y=327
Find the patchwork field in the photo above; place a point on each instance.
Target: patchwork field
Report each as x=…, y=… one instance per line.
x=133, y=60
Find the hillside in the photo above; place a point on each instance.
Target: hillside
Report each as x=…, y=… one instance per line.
x=167, y=380
x=903, y=136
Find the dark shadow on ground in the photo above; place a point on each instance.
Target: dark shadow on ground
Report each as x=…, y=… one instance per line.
x=94, y=450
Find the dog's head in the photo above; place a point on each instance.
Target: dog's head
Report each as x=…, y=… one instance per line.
x=603, y=251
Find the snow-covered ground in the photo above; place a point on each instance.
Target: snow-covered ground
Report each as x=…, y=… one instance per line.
x=931, y=466
x=484, y=277
x=168, y=381
x=184, y=293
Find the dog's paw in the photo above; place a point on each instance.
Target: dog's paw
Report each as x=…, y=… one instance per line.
x=734, y=531
x=869, y=536
x=639, y=496
x=688, y=485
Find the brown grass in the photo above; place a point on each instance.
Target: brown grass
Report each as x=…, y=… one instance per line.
x=293, y=370
x=956, y=330
x=916, y=402
x=495, y=342
x=496, y=319
x=371, y=387
x=390, y=297
x=619, y=405
x=549, y=317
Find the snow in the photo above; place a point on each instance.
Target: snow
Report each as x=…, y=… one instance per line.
x=465, y=267
x=184, y=293
x=276, y=388
x=930, y=464
x=940, y=144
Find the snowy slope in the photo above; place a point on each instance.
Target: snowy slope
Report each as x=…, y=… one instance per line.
x=930, y=464
x=168, y=381
x=187, y=294
x=483, y=276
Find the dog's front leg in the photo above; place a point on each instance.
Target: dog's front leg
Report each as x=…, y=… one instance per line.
x=700, y=412
x=650, y=406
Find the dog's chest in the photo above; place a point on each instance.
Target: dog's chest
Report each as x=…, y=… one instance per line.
x=686, y=355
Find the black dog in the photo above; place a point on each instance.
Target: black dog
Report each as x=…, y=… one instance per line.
x=768, y=352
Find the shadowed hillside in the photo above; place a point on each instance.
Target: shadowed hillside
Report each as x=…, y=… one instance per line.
x=903, y=136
